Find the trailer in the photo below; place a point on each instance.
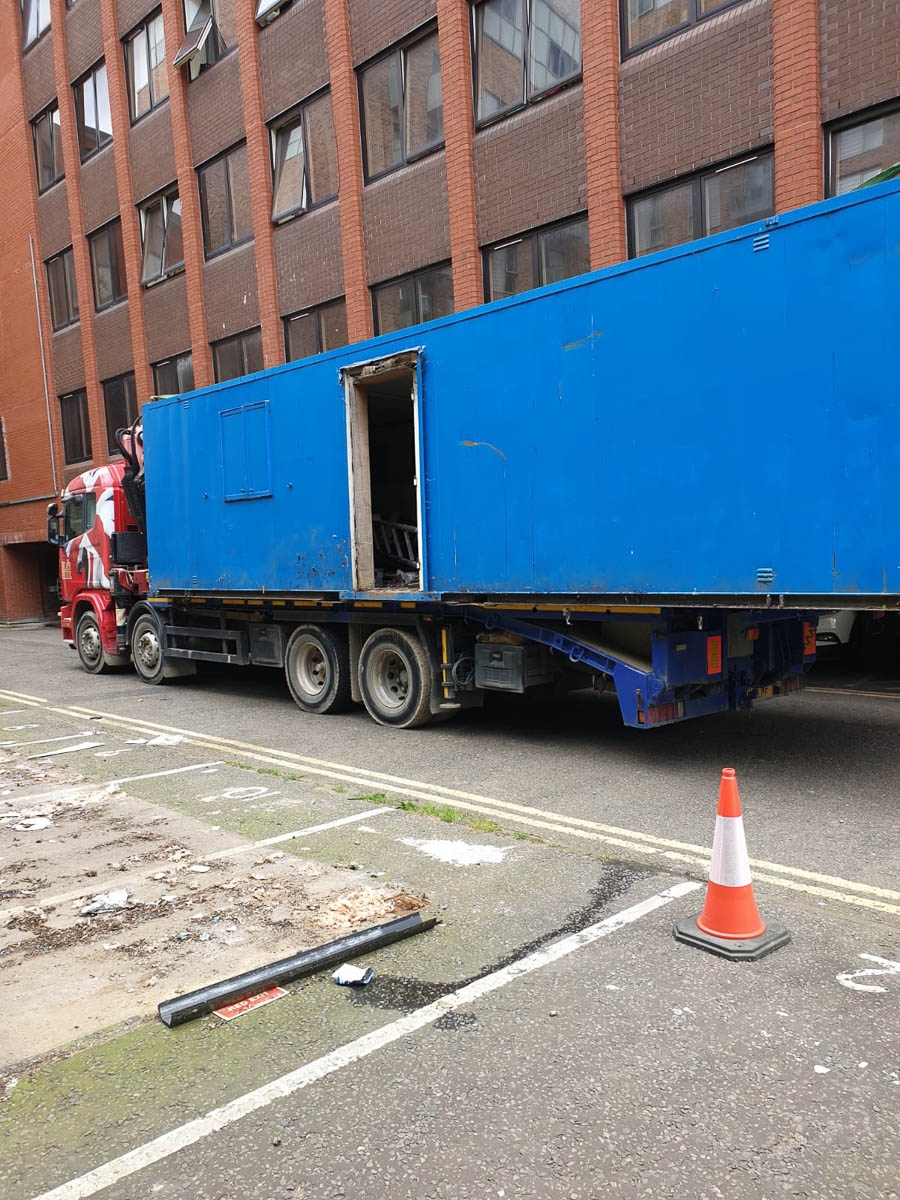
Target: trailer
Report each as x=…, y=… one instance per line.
x=649, y=478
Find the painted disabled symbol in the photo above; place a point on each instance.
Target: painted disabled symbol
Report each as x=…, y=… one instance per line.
x=849, y=978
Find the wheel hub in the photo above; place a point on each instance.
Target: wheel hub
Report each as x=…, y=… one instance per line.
x=147, y=650
x=90, y=643
x=310, y=669
x=390, y=680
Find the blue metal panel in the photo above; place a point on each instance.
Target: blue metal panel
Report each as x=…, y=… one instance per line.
x=718, y=418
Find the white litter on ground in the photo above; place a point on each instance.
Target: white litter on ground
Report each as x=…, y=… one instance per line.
x=458, y=853
x=32, y=823
x=166, y=739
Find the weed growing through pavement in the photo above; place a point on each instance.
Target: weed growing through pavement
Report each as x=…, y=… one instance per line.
x=265, y=771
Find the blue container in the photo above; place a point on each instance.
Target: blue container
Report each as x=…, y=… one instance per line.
x=719, y=419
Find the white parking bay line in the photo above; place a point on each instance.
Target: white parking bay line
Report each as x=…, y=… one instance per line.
x=66, y=750
x=66, y=737
x=296, y=833
x=217, y=762
x=220, y=1118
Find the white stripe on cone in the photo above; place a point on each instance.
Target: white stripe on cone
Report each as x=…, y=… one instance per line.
x=730, y=865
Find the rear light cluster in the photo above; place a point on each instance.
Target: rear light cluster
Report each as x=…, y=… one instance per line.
x=661, y=712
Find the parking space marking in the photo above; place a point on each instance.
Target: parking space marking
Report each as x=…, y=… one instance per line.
x=297, y=833
x=886, y=967
x=65, y=750
x=66, y=737
x=855, y=692
x=38, y=700
x=11, y=712
x=216, y=762
x=195, y=1131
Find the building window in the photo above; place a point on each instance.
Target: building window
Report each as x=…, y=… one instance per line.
x=76, y=426
x=646, y=21
x=48, y=156
x=706, y=203
x=523, y=49
x=860, y=150
x=419, y=297
x=238, y=355
x=401, y=105
x=209, y=35
x=533, y=259
x=107, y=265
x=225, y=201
x=174, y=375
x=120, y=403
x=92, y=112
x=304, y=159
x=315, y=330
x=35, y=19
x=161, y=237
x=145, y=61
x=63, y=292
x=4, y=465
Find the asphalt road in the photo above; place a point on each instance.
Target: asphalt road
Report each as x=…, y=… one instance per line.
x=628, y=1065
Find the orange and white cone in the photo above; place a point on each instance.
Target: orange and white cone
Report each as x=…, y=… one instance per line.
x=730, y=924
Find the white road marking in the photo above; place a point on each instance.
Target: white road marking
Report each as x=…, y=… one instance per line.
x=855, y=692
x=171, y=771
x=11, y=712
x=887, y=967
x=289, y=837
x=220, y=1118
x=66, y=750
x=19, y=696
x=458, y=853
x=66, y=737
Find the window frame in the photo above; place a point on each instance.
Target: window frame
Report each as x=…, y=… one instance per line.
x=400, y=48
x=4, y=455
x=530, y=97
x=26, y=45
x=84, y=421
x=34, y=122
x=211, y=162
x=289, y=118
x=172, y=358
x=535, y=233
x=412, y=277
x=239, y=337
x=127, y=41
x=107, y=229
x=695, y=179
x=111, y=445
x=71, y=287
x=212, y=45
x=312, y=310
x=91, y=74
x=695, y=17
x=862, y=116
x=162, y=198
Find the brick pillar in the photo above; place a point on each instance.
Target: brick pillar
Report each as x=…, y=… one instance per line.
x=260, y=169
x=345, y=105
x=600, y=58
x=456, y=85
x=188, y=192
x=131, y=232
x=80, y=253
x=798, y=132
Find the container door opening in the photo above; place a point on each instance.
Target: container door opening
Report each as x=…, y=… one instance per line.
x=385, y=492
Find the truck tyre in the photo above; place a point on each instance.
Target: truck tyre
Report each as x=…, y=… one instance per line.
x=146, y=649
x=317, y=669
x=395, y=679
x=89, y=644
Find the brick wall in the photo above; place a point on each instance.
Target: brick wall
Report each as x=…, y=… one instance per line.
x=152, y=152
x=112, y=331
x=860, y=54
x=529, y=169
x=293, y=57
x=308, y=259
x=84, y=37
x=405, y=219
x=99, y=196
x=798, y=137
x=53, y=219
x=166, y=318
x=229, y=284
x=68, y=362
x=215, y=110
x=37, y=71
x=375, y=24
x=132, y=12
x=697, y=98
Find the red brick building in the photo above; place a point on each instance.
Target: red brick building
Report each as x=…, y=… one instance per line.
x=199, y=188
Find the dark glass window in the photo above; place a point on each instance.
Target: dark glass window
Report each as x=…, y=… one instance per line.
x=315, y=330
x=421, y=296
x=76, y=426
x=4, y=466
x=161, y=236
x=238, y=355
x=646, y=21
x=108, y=264
x=722, y=198
x=92, y=114
x=120, y=403
x=173, y=376
x=62, y=289
x=209, y=34
x=48, y=156
x=35, y=19
x=401, y=105
x=523, y=49
x=304, y=158
x=225, y=201
x=861, y=150
x=535, y=258
x=145, y=59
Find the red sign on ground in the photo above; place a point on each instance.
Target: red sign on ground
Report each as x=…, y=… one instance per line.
x=230, y=1011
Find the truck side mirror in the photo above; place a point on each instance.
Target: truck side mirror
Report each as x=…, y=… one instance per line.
x=54, y=534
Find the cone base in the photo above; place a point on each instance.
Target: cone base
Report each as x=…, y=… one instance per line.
x=745, y=950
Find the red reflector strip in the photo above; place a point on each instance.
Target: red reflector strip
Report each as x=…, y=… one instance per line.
x=753, y=634
x=809, y=638
x=714, y=654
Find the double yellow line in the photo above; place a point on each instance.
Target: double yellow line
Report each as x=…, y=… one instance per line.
x=666, y=850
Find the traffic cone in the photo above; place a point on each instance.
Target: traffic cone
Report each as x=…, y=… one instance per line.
x=730, y=924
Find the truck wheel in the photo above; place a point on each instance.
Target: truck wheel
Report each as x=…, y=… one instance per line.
x=146, y=649
x=395, y=678
x=89, y=644
x=317, y=669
